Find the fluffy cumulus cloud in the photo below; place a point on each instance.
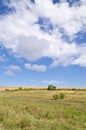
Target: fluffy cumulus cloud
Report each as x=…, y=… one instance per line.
x=11, y=69
x=42, y=29
x=32, y=48
x=36, y=67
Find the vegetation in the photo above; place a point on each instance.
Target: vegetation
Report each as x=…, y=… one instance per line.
x=55, y=96
x=51, y=87
x=35, y=110
x=58, y=96
x=19, y=89
x=61, y=95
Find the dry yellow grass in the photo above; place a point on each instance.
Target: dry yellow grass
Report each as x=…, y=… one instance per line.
x=36, y=110
x=16, y=87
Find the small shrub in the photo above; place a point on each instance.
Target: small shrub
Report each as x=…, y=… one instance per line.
x=55, y=96
x=20, y=88
x=73, y=89
x=61, y=95
x=7, y=90
x=58, y=96
x=51, y=87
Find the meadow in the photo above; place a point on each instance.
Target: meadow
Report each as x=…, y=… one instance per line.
x=35, y=109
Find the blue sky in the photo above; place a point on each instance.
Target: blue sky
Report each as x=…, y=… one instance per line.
x=43, y=42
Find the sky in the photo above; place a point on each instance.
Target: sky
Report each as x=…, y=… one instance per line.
x=43, y=42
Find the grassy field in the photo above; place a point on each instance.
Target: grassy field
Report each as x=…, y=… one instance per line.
x=36, y=110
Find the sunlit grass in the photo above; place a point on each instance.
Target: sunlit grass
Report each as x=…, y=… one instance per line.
x=36, y=110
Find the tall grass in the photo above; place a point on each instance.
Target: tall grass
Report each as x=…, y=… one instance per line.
x=35, y=110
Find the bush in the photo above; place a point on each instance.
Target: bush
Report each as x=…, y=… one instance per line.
x=61, y=95
x=6, y=89
x=55, y=96
x=51, y=87
x=20, y=88
x=58, y=96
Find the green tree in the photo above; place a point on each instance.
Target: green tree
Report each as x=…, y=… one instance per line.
x=51, y=87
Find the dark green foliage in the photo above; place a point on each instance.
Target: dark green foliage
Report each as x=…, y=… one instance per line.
x=51, y=87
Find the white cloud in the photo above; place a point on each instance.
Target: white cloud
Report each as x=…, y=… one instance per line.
x=11, y=69
x=20, y=32
x=75, y=55
x=81, y=60
x=53, y=82
x=36, y=67
x=9, y=73
x=32, y=48
x=71, y=19
x=14, y=68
